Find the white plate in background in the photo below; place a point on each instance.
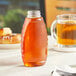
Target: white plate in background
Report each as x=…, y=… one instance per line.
x=10, y=46
x=52, y=44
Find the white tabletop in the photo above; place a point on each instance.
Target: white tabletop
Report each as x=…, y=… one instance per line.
x=11, y=63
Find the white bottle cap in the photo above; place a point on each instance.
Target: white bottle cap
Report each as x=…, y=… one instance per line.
x=33, y=14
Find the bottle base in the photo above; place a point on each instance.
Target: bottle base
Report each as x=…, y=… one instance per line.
x=34, y=64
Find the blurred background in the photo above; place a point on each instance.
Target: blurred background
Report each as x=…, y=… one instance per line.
x=13, y=12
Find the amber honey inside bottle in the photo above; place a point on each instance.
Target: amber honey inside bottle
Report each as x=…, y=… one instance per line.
x=34, y=40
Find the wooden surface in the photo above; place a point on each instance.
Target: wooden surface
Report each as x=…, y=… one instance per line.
x=51, y=9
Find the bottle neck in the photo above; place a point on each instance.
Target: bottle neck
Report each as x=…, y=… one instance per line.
x=33, y=14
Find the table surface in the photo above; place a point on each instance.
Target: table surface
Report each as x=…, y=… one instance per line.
x=11, y=63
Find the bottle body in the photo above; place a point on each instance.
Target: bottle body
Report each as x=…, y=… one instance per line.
x=34, y=42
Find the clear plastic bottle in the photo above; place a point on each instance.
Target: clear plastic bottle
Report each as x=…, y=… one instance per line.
x=34, y=40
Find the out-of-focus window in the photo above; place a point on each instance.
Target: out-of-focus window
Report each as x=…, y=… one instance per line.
x=13, y=13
